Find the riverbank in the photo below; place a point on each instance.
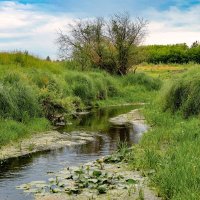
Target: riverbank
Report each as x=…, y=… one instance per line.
x=49, y=140
x=169, y=154
x=32, y=88
x=109, y=177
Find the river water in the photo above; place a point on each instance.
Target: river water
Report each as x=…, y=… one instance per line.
x=34, y=167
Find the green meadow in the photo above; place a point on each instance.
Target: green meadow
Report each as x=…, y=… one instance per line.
x=32, y=90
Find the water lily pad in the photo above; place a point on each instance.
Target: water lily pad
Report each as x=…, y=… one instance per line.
x=102, y=189
x=93, y=180
x=105, y=181
x=56, y=190
x=72, y=190
x=23, y=187
x=79, y=172
x=97, y=173
x=131, y=181
x=52, y=180
x=62, y=184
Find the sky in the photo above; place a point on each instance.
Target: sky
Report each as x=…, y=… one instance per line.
x=33, y=24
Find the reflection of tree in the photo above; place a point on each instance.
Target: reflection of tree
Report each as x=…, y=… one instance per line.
x=15, y=164
x=119, y=134
x=93, y=147
x=97, y=119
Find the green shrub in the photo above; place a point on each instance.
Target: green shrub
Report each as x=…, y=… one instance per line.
x=183, y=95
x=82, y=86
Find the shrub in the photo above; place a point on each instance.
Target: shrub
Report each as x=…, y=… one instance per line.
x=82, y=86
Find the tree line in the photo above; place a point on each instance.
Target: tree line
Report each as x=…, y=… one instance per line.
x=178, y=53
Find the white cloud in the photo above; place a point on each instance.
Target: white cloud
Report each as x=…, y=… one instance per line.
x=26, y=27
x=174, y=26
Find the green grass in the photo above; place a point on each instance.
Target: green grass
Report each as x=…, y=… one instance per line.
x=169, y=154
x=164, y=71
x=34, y=88
x=183, y=94
x=12, y=131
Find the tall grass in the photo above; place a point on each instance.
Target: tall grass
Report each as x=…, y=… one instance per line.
x=148, y=82
x=11, y=130
x=183, y=95
x=18, y=101
x=169, y=153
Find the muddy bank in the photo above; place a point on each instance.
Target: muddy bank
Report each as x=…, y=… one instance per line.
x=45, y=141
x=135, y=119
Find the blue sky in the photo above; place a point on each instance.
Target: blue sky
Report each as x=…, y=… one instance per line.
x=32, y=24
x=106, y=7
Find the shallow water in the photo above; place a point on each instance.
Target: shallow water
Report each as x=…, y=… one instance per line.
x=15, y=172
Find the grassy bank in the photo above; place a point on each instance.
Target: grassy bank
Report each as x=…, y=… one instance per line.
x=31, y=88
x=169, y=153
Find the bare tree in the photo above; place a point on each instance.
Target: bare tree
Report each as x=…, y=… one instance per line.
x=125, y=35
x=83, y=43
x=107, y=45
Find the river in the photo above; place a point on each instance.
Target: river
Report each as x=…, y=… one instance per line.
x=37, y=166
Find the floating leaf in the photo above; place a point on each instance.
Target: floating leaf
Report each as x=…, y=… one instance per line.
x=73, y=190
x=24, y=187
x=79, y=172
x=56, y=190
x=102, y=189
x=97, y=173
x=93, y=180
x=131, y=181
x=52, y=180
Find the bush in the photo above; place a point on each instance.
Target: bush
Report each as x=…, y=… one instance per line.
x=82, y=86
x=184, y=94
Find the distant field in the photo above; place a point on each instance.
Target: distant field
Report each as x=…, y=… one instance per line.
x=162, y=70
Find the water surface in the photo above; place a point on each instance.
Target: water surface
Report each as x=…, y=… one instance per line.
x=36, y=166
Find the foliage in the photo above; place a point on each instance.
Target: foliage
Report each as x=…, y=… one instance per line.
x=19, y=102
x=178, y=53
x=11, y=130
